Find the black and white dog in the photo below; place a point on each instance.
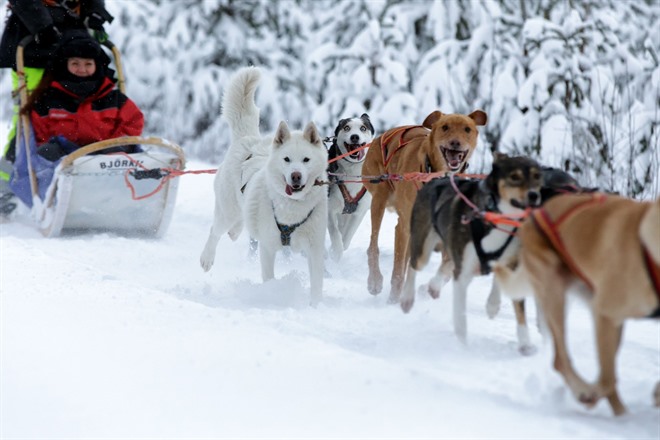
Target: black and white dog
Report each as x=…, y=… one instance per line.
x=348, y=199
x=445, y=218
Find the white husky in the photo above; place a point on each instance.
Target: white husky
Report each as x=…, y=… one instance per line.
x=271, y=184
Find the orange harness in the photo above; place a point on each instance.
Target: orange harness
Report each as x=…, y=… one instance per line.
x=549, y=228
x=384, y=141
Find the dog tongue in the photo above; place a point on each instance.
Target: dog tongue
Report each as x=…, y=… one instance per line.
x=288, y=190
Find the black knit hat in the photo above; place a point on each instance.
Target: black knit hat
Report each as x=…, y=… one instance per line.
x=81, y=48
x=78, y=43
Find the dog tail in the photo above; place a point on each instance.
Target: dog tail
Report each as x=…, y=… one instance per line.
x=238, y=106
x=649, y=231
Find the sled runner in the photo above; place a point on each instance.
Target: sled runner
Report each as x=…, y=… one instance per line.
x=85, y=190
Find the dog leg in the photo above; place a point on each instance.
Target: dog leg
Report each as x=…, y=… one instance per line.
x=408, y=298
x=608, y=337
x=267, y=258
x=525, y=347
x=552, y=297
x=441, y=277
x=315, y=263
x=252, y=249
x=494, y=301
x=656, y=395
x=514, y=282
x=207, y=258
x=401, y=257
x=459, y=306
x=375, y=279
x=351, y=225
x=337, y=244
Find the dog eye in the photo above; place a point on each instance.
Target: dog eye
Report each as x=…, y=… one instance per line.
x=305, y=160
x=286, y=159
x=363, y=128
x=468, y=129
x=445, y=127
x=347, y=128
x=515, y=178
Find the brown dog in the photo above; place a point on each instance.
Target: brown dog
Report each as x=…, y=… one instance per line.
x=443, y=143
x=609, y=247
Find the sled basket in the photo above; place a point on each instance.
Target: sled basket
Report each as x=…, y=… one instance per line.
x=89, y=191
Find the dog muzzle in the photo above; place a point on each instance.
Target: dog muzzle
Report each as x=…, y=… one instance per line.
x=356, y=152
x=454, y=158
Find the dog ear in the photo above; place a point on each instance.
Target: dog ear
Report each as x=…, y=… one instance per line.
x=432, y=119
x=479, y=117
x=341, y=124
x=488, y=185
x=311, y=134
x=499, y=156
x=281, y=135
x=367, y=122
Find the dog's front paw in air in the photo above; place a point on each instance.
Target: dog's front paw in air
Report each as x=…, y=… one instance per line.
x=206, y=260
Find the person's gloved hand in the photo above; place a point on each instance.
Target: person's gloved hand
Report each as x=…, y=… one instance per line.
x=48, y=36
x=51, y=151
x=95, y=21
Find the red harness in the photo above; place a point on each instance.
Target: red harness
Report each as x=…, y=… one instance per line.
x=350, y=202
x=384, y=141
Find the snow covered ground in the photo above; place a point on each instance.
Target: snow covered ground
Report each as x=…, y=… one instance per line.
x=109, y=337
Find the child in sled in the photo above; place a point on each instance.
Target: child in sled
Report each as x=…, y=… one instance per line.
x=77, y=103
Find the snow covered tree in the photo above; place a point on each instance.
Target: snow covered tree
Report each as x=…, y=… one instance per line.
x=573, y=84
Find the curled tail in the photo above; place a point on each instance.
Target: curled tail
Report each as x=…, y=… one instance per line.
x=238, y=107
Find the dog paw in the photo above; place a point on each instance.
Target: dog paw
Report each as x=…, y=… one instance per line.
x=407, y=303
x=433, y=291
x=206, y=263
x=492, y=309
x=588, y=397
x=527, y=349
x=435, y=286
x=336, y=253
x=394, y=298
x=375, y=284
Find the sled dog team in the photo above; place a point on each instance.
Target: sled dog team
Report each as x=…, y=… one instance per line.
x=534, y=227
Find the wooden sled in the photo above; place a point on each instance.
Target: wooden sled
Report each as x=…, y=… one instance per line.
x=96, y=192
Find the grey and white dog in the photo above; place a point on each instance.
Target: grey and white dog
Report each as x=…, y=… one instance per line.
x=348, y=200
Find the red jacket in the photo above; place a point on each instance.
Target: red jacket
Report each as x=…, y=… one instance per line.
x=106, y=114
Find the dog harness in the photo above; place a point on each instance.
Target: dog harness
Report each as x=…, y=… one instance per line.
x=350, y=202
x=479, y=231
x=287, y=230
x=385, y=140
x=549, y=229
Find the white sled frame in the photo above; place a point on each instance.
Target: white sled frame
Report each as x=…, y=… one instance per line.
x=89, y=192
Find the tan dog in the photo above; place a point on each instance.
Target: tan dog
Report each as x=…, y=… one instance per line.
x=608, y=246
x=443, y=143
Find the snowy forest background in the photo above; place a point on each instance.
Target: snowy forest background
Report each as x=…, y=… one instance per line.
x=575, y=84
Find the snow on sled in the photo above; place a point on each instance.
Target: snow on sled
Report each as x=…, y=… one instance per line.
x=89, y=190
